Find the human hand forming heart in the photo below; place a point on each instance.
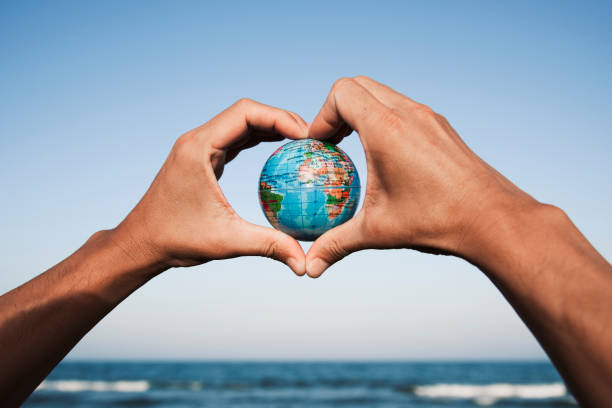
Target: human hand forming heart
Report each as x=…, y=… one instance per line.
x=426, y=189
x=184, y=218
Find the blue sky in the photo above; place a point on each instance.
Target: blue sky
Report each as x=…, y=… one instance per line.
x=94, y=94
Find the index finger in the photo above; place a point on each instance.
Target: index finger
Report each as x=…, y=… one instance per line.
x=247, y=118
x=348, y=103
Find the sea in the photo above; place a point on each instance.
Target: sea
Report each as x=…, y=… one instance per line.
x=301, y=384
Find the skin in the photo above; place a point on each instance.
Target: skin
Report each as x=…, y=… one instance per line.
x=426, y=190
x=182, y=220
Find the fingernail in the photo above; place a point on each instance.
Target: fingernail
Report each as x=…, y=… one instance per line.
x=299, y=267
x=315, y=267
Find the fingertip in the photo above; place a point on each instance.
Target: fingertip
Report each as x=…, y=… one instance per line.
x=289, y=251
x=315, y=135
x=306, y=131
x=302, y=124
x=300, y=133
x=297, y=266
x=316, y=267
x=303, y=134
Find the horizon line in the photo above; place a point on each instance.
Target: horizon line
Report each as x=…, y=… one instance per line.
x=298, y=360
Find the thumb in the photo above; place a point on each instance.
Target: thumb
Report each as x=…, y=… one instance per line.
x=262, y=241
x=332, y=246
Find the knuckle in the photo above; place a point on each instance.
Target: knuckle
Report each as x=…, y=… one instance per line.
x=363, y=78
x=424, y=110
x=182, y=144
x=392, y=121
x=186, y=147
x=440, y=118
x=244, y=103
x=291, y=115
x=342, y=83
x=442, y=121
x=336, y=250
x=271, y=250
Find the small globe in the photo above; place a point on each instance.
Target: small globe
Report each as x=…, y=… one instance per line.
x=307, y=187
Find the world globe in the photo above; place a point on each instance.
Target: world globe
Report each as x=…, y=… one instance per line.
x=308, y=187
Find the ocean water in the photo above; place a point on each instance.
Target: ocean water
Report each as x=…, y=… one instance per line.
x=302, y=384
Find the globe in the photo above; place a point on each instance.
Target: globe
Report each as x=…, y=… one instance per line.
x=307, y=187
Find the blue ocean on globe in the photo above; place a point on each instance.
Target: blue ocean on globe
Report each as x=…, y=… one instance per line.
x=308, y=187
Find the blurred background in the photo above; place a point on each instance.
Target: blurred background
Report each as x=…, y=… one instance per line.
x=95, y=93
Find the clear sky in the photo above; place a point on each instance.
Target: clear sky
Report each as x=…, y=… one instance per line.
x=93, y=95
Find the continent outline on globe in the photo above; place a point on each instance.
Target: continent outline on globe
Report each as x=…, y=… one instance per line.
x=307, y=187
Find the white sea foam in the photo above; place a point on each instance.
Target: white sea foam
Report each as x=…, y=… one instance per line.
x=80, y=386
x=491, y=393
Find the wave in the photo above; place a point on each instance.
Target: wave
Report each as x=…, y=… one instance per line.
x=487, y=394
x=99, y=386
x=492, y=393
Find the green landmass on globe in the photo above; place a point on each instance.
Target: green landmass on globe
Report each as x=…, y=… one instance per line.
x=308, y=187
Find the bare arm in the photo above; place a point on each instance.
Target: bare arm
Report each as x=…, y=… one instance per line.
x=428, y=191
x=44, y=318
x=559, y=285
x=182, y=220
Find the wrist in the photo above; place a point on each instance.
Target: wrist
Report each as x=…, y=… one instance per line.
x=506, y=229
x=116, y=265
x=131, y=254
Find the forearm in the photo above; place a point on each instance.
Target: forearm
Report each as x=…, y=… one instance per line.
x=44, y=318
x=560, y=286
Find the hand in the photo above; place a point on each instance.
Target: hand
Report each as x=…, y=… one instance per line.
x=425, y=190
x=184, y=219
